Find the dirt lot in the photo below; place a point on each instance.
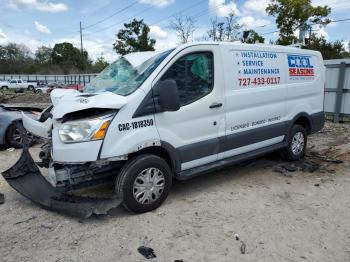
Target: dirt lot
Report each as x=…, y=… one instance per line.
x=280, y=215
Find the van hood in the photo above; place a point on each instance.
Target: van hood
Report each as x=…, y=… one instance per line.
x=67, y=101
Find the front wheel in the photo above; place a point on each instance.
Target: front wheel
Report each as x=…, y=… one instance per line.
x=296, y=148
x=144, y=183
x=5, y=87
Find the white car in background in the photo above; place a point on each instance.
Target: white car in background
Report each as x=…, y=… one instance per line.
x=18, y=84
x=42, y=90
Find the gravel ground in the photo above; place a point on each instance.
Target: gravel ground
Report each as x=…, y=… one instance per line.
x=279, y=215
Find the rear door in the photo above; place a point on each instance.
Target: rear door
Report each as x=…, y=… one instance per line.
x=194, y=129
x=255, y=99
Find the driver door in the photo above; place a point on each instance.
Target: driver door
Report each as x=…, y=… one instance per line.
x=194, y=129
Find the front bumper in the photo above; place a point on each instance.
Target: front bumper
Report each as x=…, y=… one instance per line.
x=25, y=178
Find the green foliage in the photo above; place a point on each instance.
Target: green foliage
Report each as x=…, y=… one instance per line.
x=329, y=50
x=253, y=37
x=15, y=59
x=99, y=65
x=134, y=38
x=68, y=56
x=293, y=14
x=43, y=55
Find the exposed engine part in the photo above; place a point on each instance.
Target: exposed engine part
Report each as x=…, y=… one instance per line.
x=45, y=155
x=71, y=176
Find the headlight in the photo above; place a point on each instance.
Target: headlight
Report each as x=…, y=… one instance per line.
x=84, y=130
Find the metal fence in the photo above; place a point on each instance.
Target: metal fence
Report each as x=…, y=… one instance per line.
x=337, y=96
x=67, y=79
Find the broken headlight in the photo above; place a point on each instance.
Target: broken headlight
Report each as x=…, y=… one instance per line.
x=84, y=130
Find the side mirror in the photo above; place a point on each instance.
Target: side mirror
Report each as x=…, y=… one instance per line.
x=166, y=96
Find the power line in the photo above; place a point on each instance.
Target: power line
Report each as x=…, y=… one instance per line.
x=110, y=16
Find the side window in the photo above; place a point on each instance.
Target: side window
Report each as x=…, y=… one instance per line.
x=194, y=75
x=13, y=82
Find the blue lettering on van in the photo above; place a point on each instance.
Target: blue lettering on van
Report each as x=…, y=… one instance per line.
x=299, y=61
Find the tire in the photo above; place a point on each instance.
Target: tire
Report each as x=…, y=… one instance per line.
x=38, y=91
x=5, y=87
x=14, y=139
x=133, y=178
x=31, y=88
x=297, y=140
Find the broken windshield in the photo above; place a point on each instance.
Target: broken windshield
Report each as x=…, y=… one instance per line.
x=123, y=77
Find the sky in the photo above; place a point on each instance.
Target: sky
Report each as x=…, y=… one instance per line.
x=46, y=22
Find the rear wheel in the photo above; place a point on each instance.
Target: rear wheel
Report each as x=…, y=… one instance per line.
x=31, y=88
x=144, y=183
x=297, y=141
x=38, y=91
x=5, y=87
x=14, y=138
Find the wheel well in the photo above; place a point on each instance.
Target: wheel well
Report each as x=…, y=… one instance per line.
x=155, y=150
x=304, y=122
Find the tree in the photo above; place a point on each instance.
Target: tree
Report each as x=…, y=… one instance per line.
x=329, y=50
x=252, y=37
x=16, y=59
x=226, y=30
x=184, y=26
x=295, y=14
x=134, y=38
x=100, y=64
x=43, y=55
x=69, y=57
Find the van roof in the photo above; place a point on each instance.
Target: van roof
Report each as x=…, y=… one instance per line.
x=250, y=46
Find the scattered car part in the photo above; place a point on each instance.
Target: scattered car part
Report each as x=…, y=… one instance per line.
x=147, y=252
x=2, y=198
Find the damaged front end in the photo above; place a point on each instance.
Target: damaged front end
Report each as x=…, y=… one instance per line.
x=57, y=191
x=25, y=178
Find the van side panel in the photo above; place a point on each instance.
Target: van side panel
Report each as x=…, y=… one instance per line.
x=255, y=95
x=305, y=86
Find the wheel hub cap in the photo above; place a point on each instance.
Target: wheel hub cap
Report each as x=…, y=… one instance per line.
x=148, y=185
x=298, y=143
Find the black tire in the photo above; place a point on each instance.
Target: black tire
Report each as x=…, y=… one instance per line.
x=124, y=186
x=38, y=91
x=14, y=139
x=292, y=153
x=31, y=88
x=5, y=87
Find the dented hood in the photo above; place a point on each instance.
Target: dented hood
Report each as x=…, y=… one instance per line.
x=68, y=101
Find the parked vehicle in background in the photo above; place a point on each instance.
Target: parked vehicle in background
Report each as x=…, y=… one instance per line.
x=9, y=134
x=4, y=84
x=41, y=83
x=61, y=85
x=18, y=84
x=42, y=90
x=78, y=87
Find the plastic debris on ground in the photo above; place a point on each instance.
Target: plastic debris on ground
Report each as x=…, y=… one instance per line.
x=147, y=252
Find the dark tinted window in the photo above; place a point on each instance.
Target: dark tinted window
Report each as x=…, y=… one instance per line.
x=194, y=75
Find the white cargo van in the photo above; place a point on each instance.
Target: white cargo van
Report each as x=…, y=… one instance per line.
x=153, y=116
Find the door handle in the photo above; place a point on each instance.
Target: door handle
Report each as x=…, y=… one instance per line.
x=215, y=105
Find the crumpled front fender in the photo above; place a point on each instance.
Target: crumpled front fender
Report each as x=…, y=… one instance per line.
x=25, y=178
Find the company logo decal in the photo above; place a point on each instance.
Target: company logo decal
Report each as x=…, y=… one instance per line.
x=300, y=66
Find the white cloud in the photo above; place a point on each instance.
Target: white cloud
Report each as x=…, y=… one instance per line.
x=157, y=33
x=321, y=32
x=39, y=5
x=250, y=22
x=255, y=6
x=42, y=28
x=221, y=9
x=157, y=3
x=3, y=35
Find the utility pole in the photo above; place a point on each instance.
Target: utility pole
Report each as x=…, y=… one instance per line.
x=81, y=45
